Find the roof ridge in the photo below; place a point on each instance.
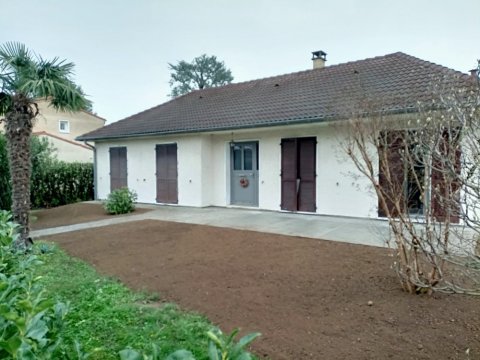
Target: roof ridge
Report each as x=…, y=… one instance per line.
x=458, y=72
x=301, y=72
x=46, y=133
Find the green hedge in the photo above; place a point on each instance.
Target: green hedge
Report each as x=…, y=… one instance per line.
x=60, y=183
x=53, y=182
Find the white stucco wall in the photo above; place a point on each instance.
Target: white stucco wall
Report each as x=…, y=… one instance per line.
x=341, y=189
x=207, y=170
x=141, y=168
x=204, y=169
x=190, y=171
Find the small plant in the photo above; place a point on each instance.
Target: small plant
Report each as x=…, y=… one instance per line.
x=120, y=201
x=7, y=228
x=44, y=248
x=220, y=347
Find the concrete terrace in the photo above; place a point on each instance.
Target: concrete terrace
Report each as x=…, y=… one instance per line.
x=370, y=232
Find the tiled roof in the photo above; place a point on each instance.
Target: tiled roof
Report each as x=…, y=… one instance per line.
x=395, y=82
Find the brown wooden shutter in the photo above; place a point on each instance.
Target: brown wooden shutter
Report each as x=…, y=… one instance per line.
x=307, y=174
x=289, y=174
x=118, y=168
x=167, y=174
x=298, y=174
x=445, y=197
x=391, y=172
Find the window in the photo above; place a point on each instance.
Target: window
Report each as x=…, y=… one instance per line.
x=237, y=158
x=247, y=157
x=64, y=126
x=244, y=156
x=414, y=179
x=403, y=172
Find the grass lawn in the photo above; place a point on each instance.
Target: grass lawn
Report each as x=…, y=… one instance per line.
x=106, y=316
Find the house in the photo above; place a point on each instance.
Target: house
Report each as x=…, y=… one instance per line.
x=270, y=144
x=61, y=128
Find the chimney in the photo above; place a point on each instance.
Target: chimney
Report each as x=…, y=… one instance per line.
x=319, y=58
x=474, y=73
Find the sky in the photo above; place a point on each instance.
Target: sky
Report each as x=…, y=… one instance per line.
x=122, y=48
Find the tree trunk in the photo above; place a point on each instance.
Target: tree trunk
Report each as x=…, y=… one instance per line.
x=18, y=129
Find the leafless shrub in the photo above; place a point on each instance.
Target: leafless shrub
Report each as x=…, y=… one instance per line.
x=424, y=167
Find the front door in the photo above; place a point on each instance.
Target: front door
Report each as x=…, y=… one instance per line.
x=167, y=178
x=244, y=173
x=298, y=174
x=118, y=167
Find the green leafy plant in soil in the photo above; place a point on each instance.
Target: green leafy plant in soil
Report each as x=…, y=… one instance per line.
x=30, y=322
x=105, y=317
x=120, y=201
x=220, y=347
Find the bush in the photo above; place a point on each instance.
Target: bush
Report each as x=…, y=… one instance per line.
x=53, y=182
x=120, y=201
x=58, y=183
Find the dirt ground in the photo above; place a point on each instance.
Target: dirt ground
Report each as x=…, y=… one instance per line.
x=307, y=297
x=71, y=214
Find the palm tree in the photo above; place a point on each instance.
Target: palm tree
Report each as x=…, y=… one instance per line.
x=24, y=78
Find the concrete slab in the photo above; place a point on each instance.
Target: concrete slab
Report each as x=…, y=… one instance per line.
x=371, y=232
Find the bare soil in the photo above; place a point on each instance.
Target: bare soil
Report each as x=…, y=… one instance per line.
x=308, y=298
x=72, y=214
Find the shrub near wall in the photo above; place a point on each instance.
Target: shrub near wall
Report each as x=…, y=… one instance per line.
x=59, y=183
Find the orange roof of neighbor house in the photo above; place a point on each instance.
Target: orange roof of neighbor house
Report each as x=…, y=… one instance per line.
x=396, y=82
x=46, y=133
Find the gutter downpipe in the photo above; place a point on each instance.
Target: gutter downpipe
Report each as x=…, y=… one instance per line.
x=95, y=195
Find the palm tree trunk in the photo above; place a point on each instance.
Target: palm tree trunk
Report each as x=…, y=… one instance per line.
x=18, y=129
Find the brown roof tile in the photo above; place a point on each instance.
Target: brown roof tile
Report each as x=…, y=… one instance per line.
x=395, y=81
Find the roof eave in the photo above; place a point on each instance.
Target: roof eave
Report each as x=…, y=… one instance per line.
x=204, y=130
x=294, y=121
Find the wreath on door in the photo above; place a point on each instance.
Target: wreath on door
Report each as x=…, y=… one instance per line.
x=244, y=182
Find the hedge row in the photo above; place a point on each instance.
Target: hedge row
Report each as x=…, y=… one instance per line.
x=61, y=183
x=53, y=182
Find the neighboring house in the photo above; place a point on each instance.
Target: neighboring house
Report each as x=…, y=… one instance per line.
x=267, y=143
x=61, y=129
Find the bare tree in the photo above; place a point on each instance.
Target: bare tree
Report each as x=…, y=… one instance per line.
x=424, y=167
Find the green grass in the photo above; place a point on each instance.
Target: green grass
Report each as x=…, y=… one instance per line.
x=106, y=315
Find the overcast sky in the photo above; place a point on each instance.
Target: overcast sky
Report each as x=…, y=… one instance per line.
x=122, y=48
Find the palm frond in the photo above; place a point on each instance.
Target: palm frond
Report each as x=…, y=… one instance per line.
x=54, y=69
x=21, y=71
x=70, y=98
x=15, y=57
x=14, y=52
